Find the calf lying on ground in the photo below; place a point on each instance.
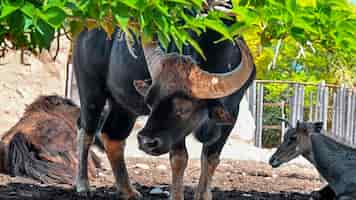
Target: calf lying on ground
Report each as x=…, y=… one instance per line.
x=42, y=145
x=336, y=162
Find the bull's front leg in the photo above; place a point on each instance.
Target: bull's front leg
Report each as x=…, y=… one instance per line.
x=210, y=159
x=84, y=142
x=208, y=166
x=115, y=150
x=178, y=157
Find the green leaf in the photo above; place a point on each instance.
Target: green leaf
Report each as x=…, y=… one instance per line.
x=218, y=26
x=122, y=21
x=43, y=35
x=164, y=41
x=76, y=27
x=298, y=34
x=54, y=16
x=29, y=9
x=196, y=46
x=10, y=6
x=184, y=2
x=130, y=3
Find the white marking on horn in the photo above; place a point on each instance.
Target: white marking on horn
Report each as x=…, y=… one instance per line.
x=214, y=80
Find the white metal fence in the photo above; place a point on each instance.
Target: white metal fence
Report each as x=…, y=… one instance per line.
x=334, y=105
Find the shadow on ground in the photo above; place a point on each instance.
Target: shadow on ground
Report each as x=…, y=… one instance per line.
x=22, y=191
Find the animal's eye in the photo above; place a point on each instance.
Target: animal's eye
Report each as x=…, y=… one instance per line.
x=182, y=112
x=182, y=107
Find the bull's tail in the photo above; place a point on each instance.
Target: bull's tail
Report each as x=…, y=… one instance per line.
x=24, y=161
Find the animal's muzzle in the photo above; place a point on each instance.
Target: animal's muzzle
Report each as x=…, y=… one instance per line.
x=149, y=145
x=274, y=162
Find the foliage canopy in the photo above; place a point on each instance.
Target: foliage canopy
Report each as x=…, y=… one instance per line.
x=278, y=31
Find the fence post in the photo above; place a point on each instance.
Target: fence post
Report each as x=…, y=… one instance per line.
x=325, y=105
x=252, y=99
x=301, y=103
x=334, y=120
x=283, y=124
x=294, y=106
x=349, y=117
x=353, y=112
x=338, y=102
x=317, y=104
x=343, y=111
x=311, y=106
x=259, y=116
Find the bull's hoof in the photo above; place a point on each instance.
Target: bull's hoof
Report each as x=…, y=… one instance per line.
x=82, y=188
x=85, y=194
x=207, y=195
x=177, y=196
x=132, y=195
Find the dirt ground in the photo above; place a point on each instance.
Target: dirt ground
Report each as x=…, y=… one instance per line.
x=243, y=180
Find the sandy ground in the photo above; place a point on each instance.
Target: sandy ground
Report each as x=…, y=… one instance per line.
x=21, y=84
x=233, y=180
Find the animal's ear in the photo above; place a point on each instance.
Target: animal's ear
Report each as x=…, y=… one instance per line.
x=301, y=127
x=218, y=112
x=142, y=86
x=318, y=126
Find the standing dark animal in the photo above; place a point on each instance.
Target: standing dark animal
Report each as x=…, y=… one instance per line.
x=334, y=161
x=42, y=144
x=181, y=95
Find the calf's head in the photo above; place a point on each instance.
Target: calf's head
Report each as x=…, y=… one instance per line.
x=180, y=97
x=296, y=142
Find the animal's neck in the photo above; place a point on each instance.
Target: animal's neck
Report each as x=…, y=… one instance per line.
x=310, y=157
x=308, y=154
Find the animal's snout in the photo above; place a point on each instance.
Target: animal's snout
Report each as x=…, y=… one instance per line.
x=148, y=144
x=274, y=162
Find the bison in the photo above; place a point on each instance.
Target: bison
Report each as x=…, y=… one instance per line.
x=42, y=144
x=180, y=94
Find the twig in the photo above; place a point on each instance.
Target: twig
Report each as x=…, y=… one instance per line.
x=272, y=65
x=22, y=57
x=58, y=45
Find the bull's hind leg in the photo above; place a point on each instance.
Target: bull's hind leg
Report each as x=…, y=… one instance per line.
x=84, y=142
x=179, y=159
x=210, y=159
x=90, y=117
x=92, y=104
x=116, y=129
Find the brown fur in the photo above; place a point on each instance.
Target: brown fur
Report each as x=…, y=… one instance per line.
x=179, y=161
x=115, y=150
x=42, y=145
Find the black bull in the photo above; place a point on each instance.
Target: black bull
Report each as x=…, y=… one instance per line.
x=179, y=98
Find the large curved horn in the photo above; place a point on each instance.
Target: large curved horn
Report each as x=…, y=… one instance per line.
x=153, y=55
x=205, y=85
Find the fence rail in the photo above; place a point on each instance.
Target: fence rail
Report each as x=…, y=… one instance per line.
x=334, y=105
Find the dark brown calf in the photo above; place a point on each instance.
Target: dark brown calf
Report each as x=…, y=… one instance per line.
x=42, y=144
